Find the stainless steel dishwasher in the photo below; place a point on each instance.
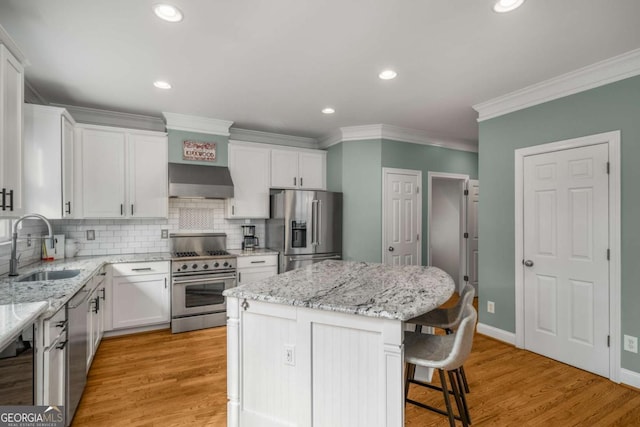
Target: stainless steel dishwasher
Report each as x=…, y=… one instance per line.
x=77, y=310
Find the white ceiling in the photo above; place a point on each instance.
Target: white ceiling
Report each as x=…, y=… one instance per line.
x=273, y=65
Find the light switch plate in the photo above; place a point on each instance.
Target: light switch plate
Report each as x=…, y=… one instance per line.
x=631, y=343
x=91, y=235
x=290, y=355
x=164, y=234
x=491, y=307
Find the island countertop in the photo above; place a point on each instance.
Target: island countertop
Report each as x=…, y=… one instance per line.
x=367, y=289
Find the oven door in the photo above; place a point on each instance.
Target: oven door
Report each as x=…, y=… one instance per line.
x=194, y=295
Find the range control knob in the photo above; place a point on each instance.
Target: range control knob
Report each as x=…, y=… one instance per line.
x=184, y=267
x=194, y=266
x=206, y=266
x=216, y=265
x=226, y=264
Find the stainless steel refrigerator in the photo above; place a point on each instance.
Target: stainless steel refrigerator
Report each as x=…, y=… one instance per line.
x=305, y=227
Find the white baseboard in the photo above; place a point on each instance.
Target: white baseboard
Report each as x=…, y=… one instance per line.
x=118, y=332
x=498, y=334
x=631, y=378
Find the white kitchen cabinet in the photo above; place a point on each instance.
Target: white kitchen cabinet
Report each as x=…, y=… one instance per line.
x=11, y=155
x=123, y=173
x=95, y=315
x=249, y=165
x=140, y=294
x=256, y=267
x=49, y=156
x=54, y=360
x=299, y=169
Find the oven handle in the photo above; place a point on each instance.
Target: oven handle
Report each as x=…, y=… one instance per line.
x=209, y=279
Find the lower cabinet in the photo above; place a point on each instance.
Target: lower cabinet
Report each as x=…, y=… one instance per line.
x=140, y=294
x=54, y=360
x=254, y=268
x=95, y=315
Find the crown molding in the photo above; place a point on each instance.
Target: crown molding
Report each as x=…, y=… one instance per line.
x=95, y=116
x=32, y=95
x=272, y=138
x=12, y=46
x=198, y=124
x=599, y=74
x=395, y=133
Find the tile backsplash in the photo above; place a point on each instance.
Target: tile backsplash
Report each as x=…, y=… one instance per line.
x=122, y=236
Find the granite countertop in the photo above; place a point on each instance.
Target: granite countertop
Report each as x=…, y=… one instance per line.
x=56, y=293
x=367, y=289
x=15, y=317
x=254, y=252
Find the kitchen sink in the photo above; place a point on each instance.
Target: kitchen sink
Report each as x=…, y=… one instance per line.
x=49, y=275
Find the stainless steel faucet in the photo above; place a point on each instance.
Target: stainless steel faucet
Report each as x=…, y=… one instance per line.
x=13, y=263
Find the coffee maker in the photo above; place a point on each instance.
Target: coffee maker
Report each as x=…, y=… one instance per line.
x=249, y=239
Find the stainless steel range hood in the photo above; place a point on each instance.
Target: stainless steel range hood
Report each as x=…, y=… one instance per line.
x=209, y=182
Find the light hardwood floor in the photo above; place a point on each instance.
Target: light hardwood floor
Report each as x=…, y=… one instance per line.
x=160, y=379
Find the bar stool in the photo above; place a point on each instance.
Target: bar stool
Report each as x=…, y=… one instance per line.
x=447, y=319
x=444, y=353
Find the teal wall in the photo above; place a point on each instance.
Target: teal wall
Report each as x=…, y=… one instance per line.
x=176, y=137
x=355, y=168
x=426, y=158
x=612, y=107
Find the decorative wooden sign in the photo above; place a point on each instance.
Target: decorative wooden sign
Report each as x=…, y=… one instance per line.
x=197, y=150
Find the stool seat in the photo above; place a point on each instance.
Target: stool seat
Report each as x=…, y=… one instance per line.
x=428, y=350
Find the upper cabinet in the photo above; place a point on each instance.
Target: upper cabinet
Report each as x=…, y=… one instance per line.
x=48, y=158
x=298, y=168
x=123, y=172
x=249, y=167
x=11, y=100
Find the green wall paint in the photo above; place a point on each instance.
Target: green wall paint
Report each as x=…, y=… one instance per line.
x=176, y=137
x=612, y=107
x=355, y=168
x=426, y=158
x=334, y=168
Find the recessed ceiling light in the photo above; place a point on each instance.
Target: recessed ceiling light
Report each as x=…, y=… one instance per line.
x=387, y=75
x=328, y=110
x=168, y=12
x=503, y=6
x=162, y=84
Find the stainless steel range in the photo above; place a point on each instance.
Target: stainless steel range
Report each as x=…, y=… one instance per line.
x=201, y=269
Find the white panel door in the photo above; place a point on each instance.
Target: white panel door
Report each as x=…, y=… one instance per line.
x=148, y=176
x=284, y=169
x=402, y=219
x=312, y=170
x=565, y=248
x=68, y=133
x=472, y=229
x=140, y=301
x=250, y=172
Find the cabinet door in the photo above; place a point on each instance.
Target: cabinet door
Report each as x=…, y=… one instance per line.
x=312, y=170
x=148, y=176
x=284, y=169
x=140, y=300
x=54, y=375
x=249, y=167
x=11, y=100
x=249, y=275
x=103, y=183
x=68, y=205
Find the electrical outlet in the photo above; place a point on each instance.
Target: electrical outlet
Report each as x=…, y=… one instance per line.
x=491, y=307
x=28, y=240
x=91, y=235
x=164, y=234
x=290, y=355
x=631, y=343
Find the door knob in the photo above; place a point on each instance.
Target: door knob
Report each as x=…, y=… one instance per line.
x=390, y=248
x=528, y=263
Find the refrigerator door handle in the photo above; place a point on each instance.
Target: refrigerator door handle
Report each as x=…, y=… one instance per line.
x=314, y=222
x=318, y=222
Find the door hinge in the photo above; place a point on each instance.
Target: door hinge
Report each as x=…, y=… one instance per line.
x=608, y=340
x=608, y=254
x=466, y=278
x=466, y=192
x=608, y=168
x=466, y=235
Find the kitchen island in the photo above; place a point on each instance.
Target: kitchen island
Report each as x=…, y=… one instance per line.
x=322, y=345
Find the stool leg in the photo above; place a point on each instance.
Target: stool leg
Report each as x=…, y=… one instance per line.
x=456, y=395
x=464, y=379
x=463, y=396
x=445, y=392
x=409, y=374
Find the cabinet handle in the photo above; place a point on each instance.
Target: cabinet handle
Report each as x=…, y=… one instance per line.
x=121, y=209
x=258, y=262
x=62, y=324
x=131, y=209
x=233, y=210
x=239, y=277
x=300, y=181
x=294, y=181
x=62, y=345
x=104, y=293
x=11, y=200
x=165, y=283
x=4, y=199
x=142, y=269
x=68, y=207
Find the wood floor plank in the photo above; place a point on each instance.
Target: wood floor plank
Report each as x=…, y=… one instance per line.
x=163, y=379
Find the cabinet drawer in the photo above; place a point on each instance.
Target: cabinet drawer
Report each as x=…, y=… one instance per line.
x=135, y=268
x=55, y=326
x=257, y=261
